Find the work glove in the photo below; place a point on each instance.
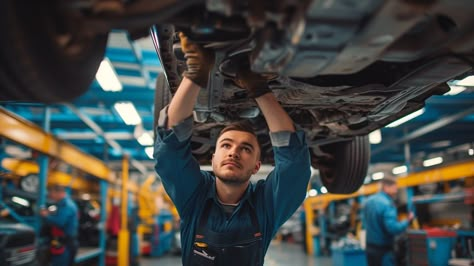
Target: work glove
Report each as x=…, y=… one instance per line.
x=199, y=61
x=255, y=84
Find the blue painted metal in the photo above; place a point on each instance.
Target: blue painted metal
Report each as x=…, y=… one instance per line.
x=43, y=162
x=103, y=220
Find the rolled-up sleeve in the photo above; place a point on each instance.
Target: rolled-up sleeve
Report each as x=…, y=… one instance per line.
x=286, y=185
x=174, y=163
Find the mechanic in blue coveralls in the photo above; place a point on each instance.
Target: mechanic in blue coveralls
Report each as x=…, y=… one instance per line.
x=63, y=223
x=225, y=219
x=382, y=225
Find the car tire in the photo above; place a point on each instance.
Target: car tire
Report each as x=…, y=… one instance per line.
x=40, y=60
x=30, y=183
x=162, y=97
x=344, y=169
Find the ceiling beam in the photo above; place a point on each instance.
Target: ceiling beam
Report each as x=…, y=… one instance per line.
x=96, y=128
x=424, y=130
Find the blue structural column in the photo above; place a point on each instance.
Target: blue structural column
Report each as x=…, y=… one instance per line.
x=322, y=230
x=410, y=204
x=103, y=217
x=43, y=162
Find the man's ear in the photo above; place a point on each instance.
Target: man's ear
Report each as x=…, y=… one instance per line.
x=257, y=167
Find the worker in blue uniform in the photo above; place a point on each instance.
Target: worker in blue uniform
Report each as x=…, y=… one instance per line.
x=64, y=227
x=382, y=225
x=225, y=219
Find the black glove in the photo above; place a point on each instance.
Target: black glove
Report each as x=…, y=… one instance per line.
x=199, y=61
x=255, y=84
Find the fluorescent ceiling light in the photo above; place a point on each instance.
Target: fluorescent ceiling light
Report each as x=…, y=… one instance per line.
x=470, y=152
x=441, y=144
x=107, y=77
x=312, y=192
x=455, y=90
x=400, y=170
x=432, y=161
x=145, y=139
x=149, y=152
x=377, y=176
x=324, y=190
x=406, y=118
x=375, y=137
x=467, y=81
x=20, y=201
x=128, y=113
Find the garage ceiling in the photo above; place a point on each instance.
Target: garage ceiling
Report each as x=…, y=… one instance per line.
x=92, y=124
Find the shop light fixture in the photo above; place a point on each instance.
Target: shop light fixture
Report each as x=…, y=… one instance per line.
x=399, y=170
x=455, y=89
x=20, y=201
x=406, y=118
x=145, y=139
x=149, y=152
x=86, y=196
x=375, y=137
x=377, y=176
x=470, y=152
x=467, y=81
x=432, y=161
x=324, y=190
x=312, y=192
x=107, y=78
x=128, y=113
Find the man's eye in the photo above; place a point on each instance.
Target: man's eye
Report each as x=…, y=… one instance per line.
x=247, y=149
x=225, y=145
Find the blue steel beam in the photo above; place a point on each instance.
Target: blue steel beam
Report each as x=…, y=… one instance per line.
x=425, y=130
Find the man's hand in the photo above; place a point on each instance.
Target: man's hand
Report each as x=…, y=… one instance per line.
x=255, y=84
x=199, y=61
x=4, y=213
x=411, y=216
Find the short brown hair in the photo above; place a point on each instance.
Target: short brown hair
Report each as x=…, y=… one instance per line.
x=388, y=181
x=57, y=188
x=239, y=126
x=244, y=127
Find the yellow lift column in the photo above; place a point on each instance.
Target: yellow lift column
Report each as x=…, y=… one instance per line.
x=124, y=235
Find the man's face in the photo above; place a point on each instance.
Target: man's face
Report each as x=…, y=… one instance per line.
x=55, y=195
x=236, y=157
x=392, y=190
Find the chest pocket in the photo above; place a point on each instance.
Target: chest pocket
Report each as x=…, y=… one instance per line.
x=230, y=248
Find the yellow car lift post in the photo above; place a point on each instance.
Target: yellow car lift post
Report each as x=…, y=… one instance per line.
x=447, y=173
x=30, y=135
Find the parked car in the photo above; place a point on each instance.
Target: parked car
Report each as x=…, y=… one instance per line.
x=340, y=68
x=17, y=244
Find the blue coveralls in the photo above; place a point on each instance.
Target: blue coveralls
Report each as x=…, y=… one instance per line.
x=382, y=225
x=66, y=218
x=273, y=200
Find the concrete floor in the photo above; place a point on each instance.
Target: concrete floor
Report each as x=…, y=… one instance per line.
x=279, y=254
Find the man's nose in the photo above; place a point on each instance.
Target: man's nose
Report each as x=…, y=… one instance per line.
x=233, y=153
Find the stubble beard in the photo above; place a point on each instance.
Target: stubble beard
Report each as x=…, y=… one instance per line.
x=235, y=180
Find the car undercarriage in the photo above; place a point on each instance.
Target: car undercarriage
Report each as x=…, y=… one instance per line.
x=341, y=69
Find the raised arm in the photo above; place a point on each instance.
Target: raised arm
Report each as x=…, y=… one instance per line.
x=179, y=171
x=198, y=61
x=286, y=185
x=277, y=118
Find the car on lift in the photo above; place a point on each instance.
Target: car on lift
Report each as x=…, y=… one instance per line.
x=340, y=68
x=17, y=243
